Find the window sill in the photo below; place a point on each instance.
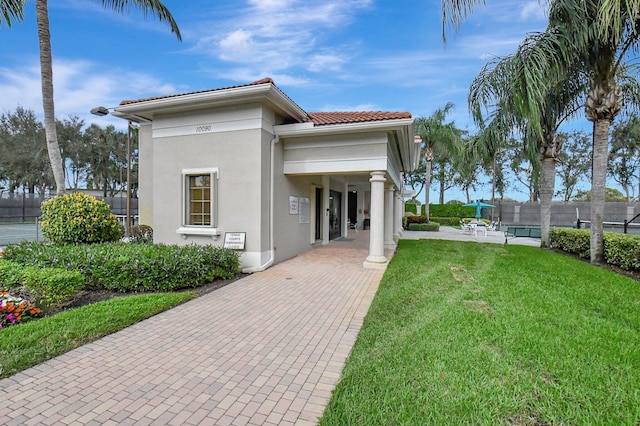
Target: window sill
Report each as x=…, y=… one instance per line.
x=207, y=232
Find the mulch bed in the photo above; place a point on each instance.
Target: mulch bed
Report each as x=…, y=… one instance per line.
x=88, y=297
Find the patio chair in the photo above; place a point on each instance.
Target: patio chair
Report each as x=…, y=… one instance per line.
x=466, y=228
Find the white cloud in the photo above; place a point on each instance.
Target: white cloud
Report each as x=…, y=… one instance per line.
x=535, y=10
x=79, y=85
x=239, y=40
x=282, y=35
x=350, y=108
x=325, y=62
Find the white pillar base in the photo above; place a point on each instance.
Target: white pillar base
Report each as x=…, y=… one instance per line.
x=375, y=262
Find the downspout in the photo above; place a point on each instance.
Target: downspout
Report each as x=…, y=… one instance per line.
x=272, y=250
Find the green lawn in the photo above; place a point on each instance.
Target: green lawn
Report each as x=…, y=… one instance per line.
x=466, y=333
x=25, y=345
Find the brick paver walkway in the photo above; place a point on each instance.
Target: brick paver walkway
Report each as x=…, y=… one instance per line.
x=265, y=350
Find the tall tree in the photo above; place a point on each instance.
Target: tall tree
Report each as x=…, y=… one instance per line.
x=23, y=152
x=594, y=38
x=574, y=162
x=106, y=159
x=602, y=51
x=624, y=159
x=74, y=150
x=13, y=10
x=521, y=99
x=439, y=140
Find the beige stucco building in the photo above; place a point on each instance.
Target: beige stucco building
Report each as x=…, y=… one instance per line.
x=246, y=167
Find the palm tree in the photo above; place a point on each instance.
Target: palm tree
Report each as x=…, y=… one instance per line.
x=509, y=87
x=602, y=54
x=10, y=10
x=591, y=38
x=438, y=139
x=14, y=9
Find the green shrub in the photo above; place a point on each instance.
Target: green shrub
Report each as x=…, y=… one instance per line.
x=451, y=210
x=410, y=207
x=622, y=250
x=416, y=219
x=133, y=267
x=446, y=221
x=431, y=226
x=78, y=218
x=574, y=241
x=141, y=234
x=46, y=287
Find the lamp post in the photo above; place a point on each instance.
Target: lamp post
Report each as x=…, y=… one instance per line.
x=102, y=111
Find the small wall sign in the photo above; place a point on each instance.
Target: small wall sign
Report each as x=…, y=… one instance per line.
x=234, y=240
x=293, y=204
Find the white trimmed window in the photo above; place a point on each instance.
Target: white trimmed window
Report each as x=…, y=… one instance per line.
x=200, y=195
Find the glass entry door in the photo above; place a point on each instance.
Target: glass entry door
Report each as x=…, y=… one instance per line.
x=335, y=214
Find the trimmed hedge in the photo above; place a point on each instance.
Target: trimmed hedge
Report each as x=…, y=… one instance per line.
x=132, y=267
x=45, y=287
x=447, y=221
x=411, y=208
x=574, y=241
x=431, y=226
x=622, y=250
x=451, y=210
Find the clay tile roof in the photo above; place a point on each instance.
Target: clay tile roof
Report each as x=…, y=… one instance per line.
x=255, y=83
x=326, y=118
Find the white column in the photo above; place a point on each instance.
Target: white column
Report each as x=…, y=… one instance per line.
x=376, y=257
x=345, y=211
x=389, y=213
x=325, y=209
x=397, y=223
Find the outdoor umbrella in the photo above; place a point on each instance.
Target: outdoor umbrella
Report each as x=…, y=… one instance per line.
x=479, y=205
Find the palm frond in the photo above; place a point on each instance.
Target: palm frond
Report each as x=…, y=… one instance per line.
x=11, y=11
x=454, y=13
x=148, y=7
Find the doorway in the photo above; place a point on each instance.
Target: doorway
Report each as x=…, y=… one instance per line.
x=319, y=214
x=353, y=208
x=335, y=214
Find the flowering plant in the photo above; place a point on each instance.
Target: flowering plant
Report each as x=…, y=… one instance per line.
x=78, y=218
x=14, y=310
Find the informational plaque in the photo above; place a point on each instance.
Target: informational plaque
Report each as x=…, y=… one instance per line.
x=293, y=204
x=304, y=210
x=234, y=240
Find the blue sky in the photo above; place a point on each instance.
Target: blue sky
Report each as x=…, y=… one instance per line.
x=327, y=55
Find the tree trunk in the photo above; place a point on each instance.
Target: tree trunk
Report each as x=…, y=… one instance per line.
x=547, y=184
x=441, y=178
x=46, y=69
x=598, y=187
x=427, y=187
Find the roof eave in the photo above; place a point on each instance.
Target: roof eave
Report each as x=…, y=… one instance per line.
x=145, y=110
x=308, y=129
x=403, y=128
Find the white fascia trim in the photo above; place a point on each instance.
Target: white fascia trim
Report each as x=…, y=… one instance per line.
x=309, y=129
x=218, y=97
x=334, y=166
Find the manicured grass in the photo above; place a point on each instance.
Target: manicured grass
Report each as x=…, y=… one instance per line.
x=25, y=345
x=466, y=333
